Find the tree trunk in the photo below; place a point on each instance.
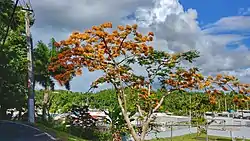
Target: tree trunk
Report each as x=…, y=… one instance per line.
x=45, y=103
x=146, y=123
x=125, y=115
x=48, y=108
x=219, y=104
x=145, y=128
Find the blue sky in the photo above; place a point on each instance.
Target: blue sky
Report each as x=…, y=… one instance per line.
x=222, y=35
x=210, y=11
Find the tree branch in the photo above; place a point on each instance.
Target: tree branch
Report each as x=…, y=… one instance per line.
x=149, y=117
x=126, y=57
x=230, y=87
x=139, y=109
x=125, y=114
x=160, y=103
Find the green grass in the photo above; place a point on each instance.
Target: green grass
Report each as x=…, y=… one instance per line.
x=193, y=137
x=61, y=136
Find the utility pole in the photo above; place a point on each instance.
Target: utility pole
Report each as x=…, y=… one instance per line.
x=31, y=94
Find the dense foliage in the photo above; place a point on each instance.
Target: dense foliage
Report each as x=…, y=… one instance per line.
x=13, y=59
x=177, y=103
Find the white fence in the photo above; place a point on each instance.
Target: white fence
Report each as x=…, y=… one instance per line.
x=236, y=132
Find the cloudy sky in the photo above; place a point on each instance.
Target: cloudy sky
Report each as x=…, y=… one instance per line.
x=218, y=29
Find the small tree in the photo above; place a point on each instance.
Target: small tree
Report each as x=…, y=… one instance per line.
x=42, y=56
x=115, y=53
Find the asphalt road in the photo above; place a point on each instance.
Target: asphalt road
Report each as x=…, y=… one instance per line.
x=11, y=131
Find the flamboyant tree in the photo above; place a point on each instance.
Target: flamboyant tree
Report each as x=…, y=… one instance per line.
x=116, y=54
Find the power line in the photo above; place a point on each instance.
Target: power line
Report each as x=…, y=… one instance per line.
x=10, y=22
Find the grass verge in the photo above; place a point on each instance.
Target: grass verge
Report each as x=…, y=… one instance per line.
x=193, y=137
x=61, y=136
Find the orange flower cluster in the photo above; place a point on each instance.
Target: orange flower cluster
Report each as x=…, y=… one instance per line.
x=149, y=98
x=185, y=79
x=230, y=83
x=191, y=79
x=227, y=83
x=97, y=49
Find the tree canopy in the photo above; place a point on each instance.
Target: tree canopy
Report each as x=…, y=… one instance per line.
x=116, y=52
x=13, y=60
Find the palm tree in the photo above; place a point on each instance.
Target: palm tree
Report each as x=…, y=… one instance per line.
x=42, y=58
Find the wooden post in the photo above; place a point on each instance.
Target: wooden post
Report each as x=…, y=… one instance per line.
x=226, y=104
x=207, y=132
x=171, y=131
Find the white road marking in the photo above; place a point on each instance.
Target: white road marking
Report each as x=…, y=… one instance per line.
x=39, y=134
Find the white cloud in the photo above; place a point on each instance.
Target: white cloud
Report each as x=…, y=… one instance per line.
x=225, y=39
x=180, y=31
x=175, y=29
x=47, y=32
x=59, y=19
x=244, y=11
x=233, y=23
x=57, y=86
x=242, y=74
x=80, y=14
